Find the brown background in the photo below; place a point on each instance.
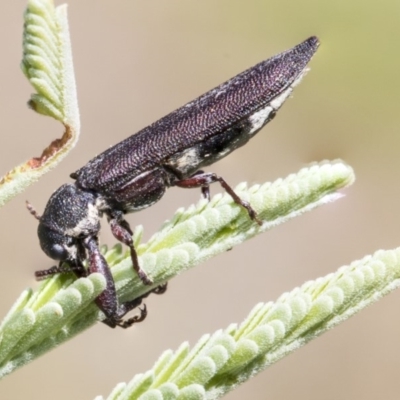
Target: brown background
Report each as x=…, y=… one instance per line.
x=135, y=61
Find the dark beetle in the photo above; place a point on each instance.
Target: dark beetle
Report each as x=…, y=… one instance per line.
x=135, y=173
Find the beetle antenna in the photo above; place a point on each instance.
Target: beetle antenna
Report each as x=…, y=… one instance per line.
x=32, y=210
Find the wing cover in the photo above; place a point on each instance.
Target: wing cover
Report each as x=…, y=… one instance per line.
x=208, y=115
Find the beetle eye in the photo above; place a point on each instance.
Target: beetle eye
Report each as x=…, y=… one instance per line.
x=58, y=252
x=56, y=245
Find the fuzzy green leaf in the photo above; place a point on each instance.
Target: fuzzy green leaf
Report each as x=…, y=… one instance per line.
x=63, y=307
x=47, y=63
x=270, y=332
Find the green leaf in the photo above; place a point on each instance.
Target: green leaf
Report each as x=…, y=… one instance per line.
x=220, y=362
x=63, y=306
x=47, y=63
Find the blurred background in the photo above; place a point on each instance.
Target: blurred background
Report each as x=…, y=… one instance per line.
x=136, y=61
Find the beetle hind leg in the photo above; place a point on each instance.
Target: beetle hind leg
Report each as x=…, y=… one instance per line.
x=205, y=179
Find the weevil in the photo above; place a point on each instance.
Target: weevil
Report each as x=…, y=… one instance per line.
x=134, y=174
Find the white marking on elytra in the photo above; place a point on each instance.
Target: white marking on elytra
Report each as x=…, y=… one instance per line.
x=258, y=119
x=185, y=160
x=187, y=157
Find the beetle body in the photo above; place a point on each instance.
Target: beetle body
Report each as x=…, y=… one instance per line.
x=135, y=173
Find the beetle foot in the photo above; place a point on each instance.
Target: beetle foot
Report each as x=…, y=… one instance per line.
x=135, y=319
x=117, y=320
x=161, y=289
x=252, y=213
x=144, y=277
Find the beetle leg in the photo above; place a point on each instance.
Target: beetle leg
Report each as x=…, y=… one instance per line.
x=122, y=232
x=130, y=305
x=161, y=289
x=205, y=189
x=124, y=308
x=107, y=300
x=117, y=319
x=205, y=179
x=74, y=266
x=77, y=268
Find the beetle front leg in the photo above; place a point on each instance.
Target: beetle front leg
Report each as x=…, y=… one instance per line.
x=74, y=266
x=123, y=309
x=130, y=305
x=122, y=232
x=77, y=268
x=107, y=301
x=205, y=179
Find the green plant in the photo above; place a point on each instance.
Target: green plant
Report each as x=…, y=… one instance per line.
x=63, y=307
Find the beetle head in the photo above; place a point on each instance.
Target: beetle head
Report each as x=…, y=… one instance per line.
x=70, y=216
